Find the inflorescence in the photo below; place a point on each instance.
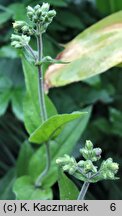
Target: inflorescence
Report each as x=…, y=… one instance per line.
x=85, y=170
x=39, y=19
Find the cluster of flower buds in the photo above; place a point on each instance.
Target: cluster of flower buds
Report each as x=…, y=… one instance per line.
x=19, y=41
x=67, y=163
x=41, y=15
x=87, y=166
x=22, y=28
x=85, y=170
x=90, y=153
x=108, y=169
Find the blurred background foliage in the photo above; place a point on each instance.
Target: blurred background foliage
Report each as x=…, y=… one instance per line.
x=103, y=92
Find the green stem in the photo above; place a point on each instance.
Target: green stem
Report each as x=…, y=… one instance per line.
x=40, y=79
x=28, y=48
x=83, y=191
x=43, y=111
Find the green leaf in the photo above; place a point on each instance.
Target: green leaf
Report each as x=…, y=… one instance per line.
x=17, y=102
x=9, y=52
x=109, y=6
x=5, y=83
x=4, y=101
x=6, y=184
x=18, y=11
x=115, y=121
x=68, y=190
x=63, y=144
x=23, y=159
x=4, y=17
x=31, y=105
x=92, y=52
x=24, y=189
x=69, y=19
x=53, y=127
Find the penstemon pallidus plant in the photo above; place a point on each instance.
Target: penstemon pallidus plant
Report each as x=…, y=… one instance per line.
x=50, y=127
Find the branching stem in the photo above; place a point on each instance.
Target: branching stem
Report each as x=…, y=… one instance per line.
x=31, y=51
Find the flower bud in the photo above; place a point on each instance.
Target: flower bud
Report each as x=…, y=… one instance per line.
x=72, y=170
x=114, y=167
x=59, y=160
x=37, y=7
x=81, y=163
x=25, y=29
x=89, y=145
x=15, y=37
x=35, y=19
x=30, y=9
x=16, y=44
x=66, y=167
x=45, y=7
x=39, y=12
x=88, y=165
x=98, y=152
x=30, y=15
x=18, y=24
x=68, y=163
x=19, y=41
x=51, y=13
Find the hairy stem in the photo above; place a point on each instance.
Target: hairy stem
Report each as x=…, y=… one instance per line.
x=28, y=48
x=83, y=191
x=43, y=111
x=40, y=79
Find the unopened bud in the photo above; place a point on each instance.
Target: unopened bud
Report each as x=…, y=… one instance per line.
x=45, y=7
x=15, y=37
x=19, y=41
x=37, y=7
x=89, y=145
x=30, y=15
x=72, y=170
x=114, y=167
x=25, y=28
x=81, y=163
x=98, y=151
x=18, y=24
x=16, y=44
x=59, y=160
x=35, y=18
x=66, y=167
x=30, y=9
x=51, y=13
x=39, y=12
